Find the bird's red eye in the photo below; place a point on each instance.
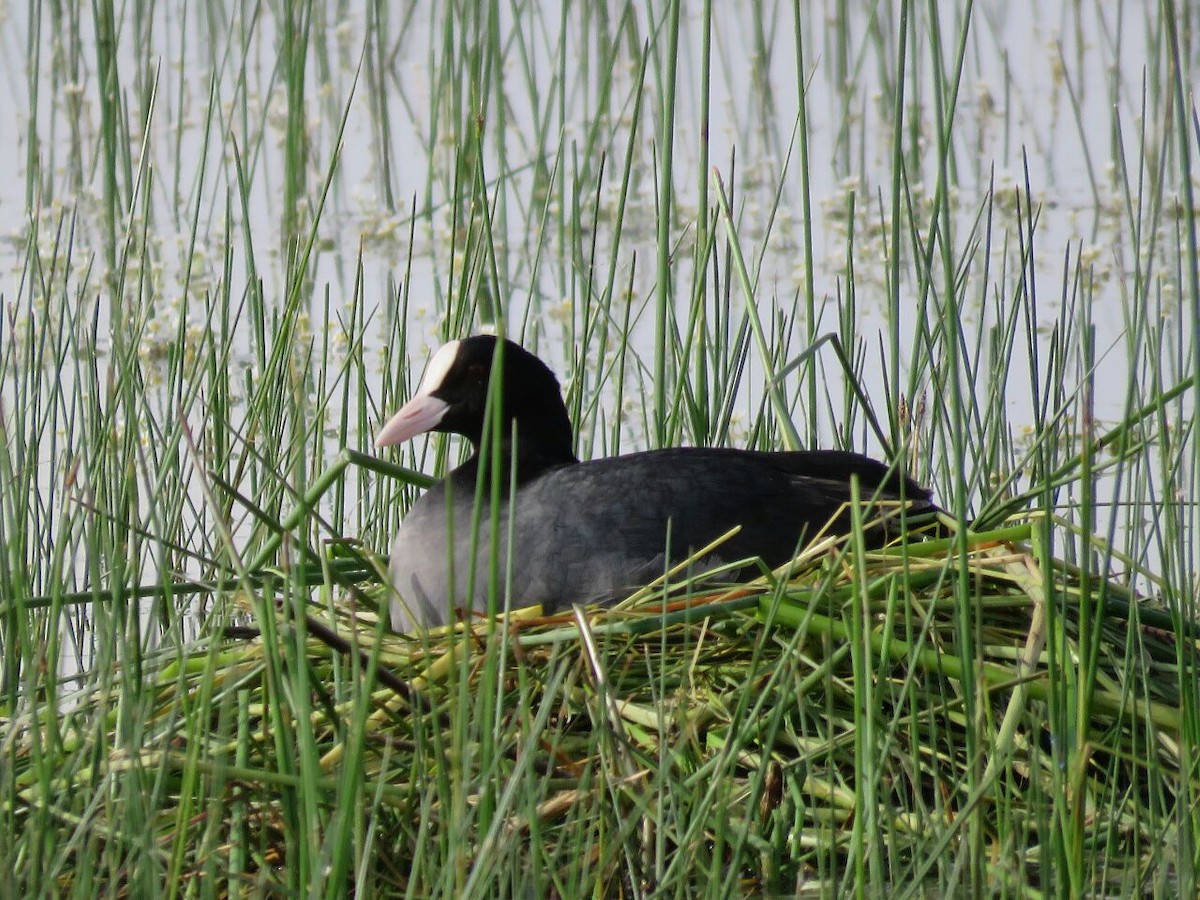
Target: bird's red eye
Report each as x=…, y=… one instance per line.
x=477, y=372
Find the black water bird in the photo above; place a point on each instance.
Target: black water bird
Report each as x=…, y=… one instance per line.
x=585, y=532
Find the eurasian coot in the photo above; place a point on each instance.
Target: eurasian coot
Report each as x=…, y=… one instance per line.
x=585, y=532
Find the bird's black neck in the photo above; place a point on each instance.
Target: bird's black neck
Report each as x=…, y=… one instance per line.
x=533, y=446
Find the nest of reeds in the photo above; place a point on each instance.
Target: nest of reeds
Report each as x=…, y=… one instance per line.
x=899, y=713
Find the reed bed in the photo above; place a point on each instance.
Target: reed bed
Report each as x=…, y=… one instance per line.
x=828, y=723
x=959, y=237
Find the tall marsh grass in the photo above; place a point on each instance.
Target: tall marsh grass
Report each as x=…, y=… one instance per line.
x=961, y=236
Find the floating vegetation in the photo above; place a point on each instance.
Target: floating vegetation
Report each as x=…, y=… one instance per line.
x=866, y=709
